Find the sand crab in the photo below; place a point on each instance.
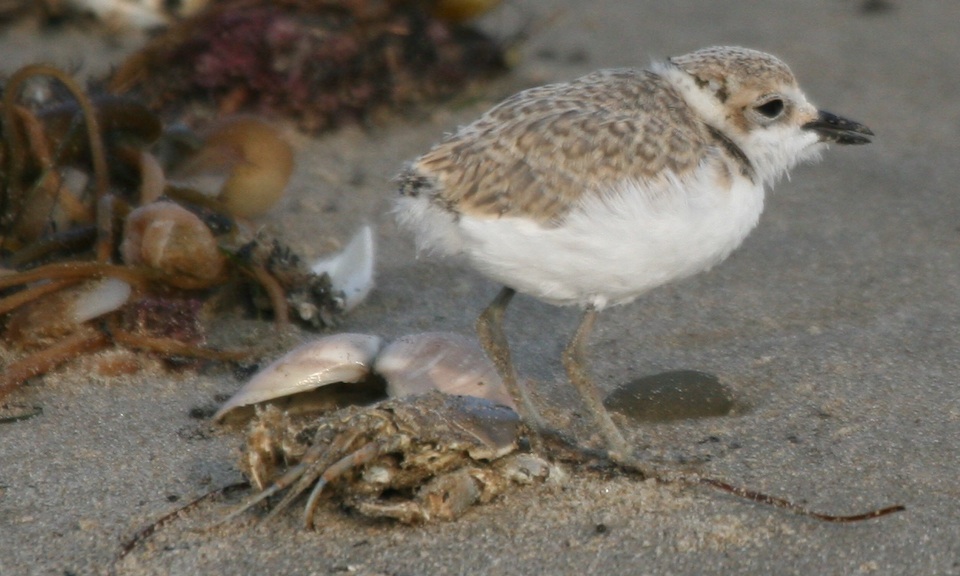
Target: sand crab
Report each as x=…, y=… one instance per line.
x=413, y=459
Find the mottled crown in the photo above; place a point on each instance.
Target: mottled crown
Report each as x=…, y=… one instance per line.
x=729, y=69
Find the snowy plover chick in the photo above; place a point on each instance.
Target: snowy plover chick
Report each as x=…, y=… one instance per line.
x=594, y=191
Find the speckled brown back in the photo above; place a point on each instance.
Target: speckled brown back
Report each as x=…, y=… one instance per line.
x=539, y=151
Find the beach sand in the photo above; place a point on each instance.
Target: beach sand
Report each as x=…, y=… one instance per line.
x=835, y=327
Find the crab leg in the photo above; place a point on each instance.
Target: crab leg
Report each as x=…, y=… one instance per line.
x=357, y=458
x=316, y=468
x=365, y=454
x=314, y=461
x=291, y=476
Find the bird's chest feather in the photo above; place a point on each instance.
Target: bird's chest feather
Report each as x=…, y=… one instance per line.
x=621, y=242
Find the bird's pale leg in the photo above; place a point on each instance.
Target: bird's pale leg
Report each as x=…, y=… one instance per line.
x=494, y=342
x=574, y=362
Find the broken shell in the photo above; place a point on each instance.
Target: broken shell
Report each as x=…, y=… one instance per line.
x=101, y=298
x=445, y=361
x=351, y=269
x=339, y=358
x=351, y=369
x=152, y=179
x=245, y=162
x=118, y=16
x=170, y=238
x=53, y=316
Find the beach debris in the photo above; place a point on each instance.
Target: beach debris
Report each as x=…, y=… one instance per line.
x=417, y=430
x=438, y=442
x=242, y=162
x=335, y=371
x=116, y=16
x=453, y=363
x=150, y=15
x=174, y=243
x=343, y=369
x=351, y=270
x=321, y=64
x=100, y=247
x=413, y=459
x=327, y=363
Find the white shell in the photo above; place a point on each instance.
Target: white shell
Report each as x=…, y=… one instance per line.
x=337, y=358
x=445, y=361
x=351, y=269
x=138, y=14
x=100, y=298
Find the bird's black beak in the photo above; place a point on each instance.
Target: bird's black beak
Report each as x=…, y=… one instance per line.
x=833, y=128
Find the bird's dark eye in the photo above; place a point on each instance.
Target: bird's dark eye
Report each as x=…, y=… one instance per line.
x=771, y=108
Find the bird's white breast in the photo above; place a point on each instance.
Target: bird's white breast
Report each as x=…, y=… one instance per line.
x=616, y=245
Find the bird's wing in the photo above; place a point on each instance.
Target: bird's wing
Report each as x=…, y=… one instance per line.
x=539, y=152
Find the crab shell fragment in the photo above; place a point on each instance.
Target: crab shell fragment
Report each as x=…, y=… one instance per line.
x=343, y=369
